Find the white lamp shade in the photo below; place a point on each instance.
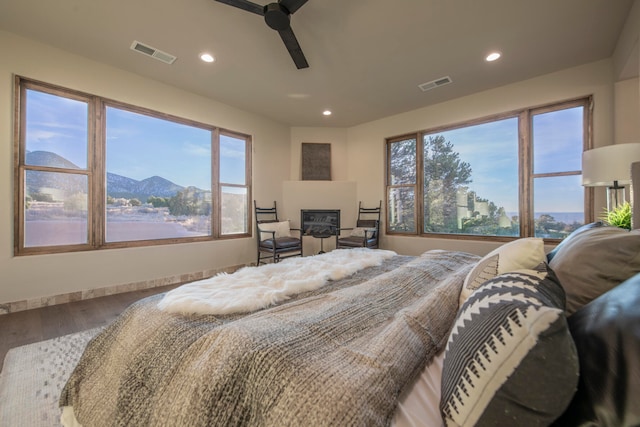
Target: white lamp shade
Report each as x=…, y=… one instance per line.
x=602, y=166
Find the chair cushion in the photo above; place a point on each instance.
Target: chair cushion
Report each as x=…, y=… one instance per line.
x=281, y=243
x=353, y=241
x=360, y=232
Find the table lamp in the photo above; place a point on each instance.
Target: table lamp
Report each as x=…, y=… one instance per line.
x=610, y=167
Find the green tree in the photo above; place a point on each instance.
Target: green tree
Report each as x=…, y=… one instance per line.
x=444, y=172
x=402, y=172
x=158, y=202
x=188, y=202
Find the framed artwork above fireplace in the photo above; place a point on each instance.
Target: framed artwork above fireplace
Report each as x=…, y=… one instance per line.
x=316, y=162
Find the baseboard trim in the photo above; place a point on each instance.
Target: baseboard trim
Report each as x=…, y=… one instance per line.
x=15, y=306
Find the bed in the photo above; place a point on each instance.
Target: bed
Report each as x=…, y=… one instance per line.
x=517, y=337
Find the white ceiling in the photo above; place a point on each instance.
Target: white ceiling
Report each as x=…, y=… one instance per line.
x=367, y=57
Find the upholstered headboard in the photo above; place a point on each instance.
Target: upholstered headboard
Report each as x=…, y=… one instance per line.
x=635, y=195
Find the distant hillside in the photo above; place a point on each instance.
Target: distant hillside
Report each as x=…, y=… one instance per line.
x=47, y=158
x=121, y=186
x=117, y=185
x=43, y=182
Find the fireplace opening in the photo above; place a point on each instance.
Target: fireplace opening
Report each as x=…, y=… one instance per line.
x=320, y=222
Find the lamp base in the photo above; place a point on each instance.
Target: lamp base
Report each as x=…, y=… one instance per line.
x=615, y=196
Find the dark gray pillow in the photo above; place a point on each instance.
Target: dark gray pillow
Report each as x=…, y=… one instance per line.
x=575, y=232
x=607, y=336
x=510, y=360
x=594, y=261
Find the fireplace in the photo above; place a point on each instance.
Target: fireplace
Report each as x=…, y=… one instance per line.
x=320, y=222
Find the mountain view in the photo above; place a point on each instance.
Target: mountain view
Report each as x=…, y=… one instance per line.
x=118, y=186
x=153, y=208
x=128, y=188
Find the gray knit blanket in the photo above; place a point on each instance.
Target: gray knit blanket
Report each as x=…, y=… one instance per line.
x=340, y=355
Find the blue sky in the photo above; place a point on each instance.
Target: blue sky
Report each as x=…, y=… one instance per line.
x=138, y=146
x=492, y=151
x=58, y=125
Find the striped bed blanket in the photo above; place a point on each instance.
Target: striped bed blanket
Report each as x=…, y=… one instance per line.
x=338, y=355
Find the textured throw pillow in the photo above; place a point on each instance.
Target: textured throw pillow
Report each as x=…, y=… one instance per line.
x=510, y=360
x=607, y=336
x=281, y=228
x=575, y=233
x=595, y=260
x=359, y=232
x=516, y=255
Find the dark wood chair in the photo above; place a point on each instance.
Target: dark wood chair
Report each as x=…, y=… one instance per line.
x=275, y=238
x=366, y=232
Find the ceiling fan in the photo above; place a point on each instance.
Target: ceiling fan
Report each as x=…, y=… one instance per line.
x=277, y=16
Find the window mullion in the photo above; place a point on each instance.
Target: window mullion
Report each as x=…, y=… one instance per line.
x=216, y=188
x=97, y=173
x=525, y=175
x=248, y=182
x=587, y=144
x=419, y=190
x=552, y=174
x=19, y=150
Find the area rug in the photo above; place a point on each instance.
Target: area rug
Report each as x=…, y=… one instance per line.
x=33, y=376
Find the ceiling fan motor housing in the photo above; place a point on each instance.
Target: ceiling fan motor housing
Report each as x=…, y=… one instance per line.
x=277, y=16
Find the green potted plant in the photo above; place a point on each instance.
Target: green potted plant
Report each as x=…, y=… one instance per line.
x=619, y=216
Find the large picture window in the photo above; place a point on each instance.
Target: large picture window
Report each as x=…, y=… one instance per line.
x=94, y=173
x=513, y=175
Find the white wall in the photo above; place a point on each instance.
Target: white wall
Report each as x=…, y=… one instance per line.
x=626, y=55
x=366, y=142
x=34, y=276
x=337, y=137
x=627, y=111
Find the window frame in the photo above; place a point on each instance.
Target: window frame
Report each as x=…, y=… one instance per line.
x=96, y=171
x=525, y=169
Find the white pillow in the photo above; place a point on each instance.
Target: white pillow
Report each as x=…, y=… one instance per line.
x=359, y=232
x=281, y=228
x=526, y=253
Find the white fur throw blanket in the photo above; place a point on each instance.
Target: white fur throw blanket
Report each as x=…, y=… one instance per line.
x=253, y=288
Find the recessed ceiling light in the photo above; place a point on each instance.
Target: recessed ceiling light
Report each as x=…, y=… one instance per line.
x=326, y=112
x=493, y=56
x=298, y=95
x=207, y=57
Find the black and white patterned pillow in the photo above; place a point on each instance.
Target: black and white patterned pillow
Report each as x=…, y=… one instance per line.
x=516, y=255
x=510, y=359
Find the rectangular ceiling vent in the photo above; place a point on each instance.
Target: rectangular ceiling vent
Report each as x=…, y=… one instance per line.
x=435, y=83
x=153, y=52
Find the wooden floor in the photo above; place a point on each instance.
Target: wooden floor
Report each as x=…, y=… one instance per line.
x=29, y=326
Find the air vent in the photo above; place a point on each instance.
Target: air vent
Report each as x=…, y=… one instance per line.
x=152, y=52
x=435, y=83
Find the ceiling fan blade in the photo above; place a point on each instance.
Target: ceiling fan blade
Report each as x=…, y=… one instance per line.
x=293, y=5
x=294, y=48
x=245, y=5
